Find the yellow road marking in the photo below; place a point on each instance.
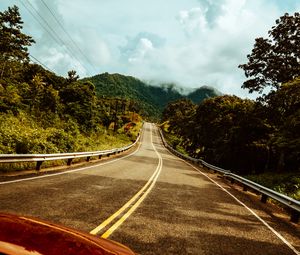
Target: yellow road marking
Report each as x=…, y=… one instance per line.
x=131, y=210
x=124, y=207
x=152, y=179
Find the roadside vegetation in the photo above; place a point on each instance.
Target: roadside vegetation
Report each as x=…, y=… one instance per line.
x=286, y=183
x=41, y=112
x=258, y=139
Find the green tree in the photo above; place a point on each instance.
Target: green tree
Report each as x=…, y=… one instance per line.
x=10, y=99
x=179, y=114
x=231, y=132
x=80, y=102
x=275, y=60
x=72, y=76
x=284, y=102
x=13, y=43
x=284, y=112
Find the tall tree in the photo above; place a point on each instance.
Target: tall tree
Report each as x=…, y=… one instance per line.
x=275, y=60
x=284, y=112
x=178, y=114
x=13, y=43
x=230, y=132
x=80, y=102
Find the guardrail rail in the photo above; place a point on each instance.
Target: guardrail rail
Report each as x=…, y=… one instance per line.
x=292, y=204
x=40, y=158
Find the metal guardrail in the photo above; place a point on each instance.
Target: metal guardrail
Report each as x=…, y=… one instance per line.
x=292, y=204
x=40, y=158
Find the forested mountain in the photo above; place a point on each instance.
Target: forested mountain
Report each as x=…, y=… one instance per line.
x=150, y=99
x=204, y=92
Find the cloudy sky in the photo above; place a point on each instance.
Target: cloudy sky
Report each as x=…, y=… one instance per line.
x=189, y=42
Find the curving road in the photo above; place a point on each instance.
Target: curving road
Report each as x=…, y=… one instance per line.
x=154, y=203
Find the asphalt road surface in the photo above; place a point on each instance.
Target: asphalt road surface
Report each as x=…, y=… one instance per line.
x=155, y=203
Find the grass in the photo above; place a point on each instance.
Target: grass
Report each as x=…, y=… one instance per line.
x=102, y=140
x=285, y=183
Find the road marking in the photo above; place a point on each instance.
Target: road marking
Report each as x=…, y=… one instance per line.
x=249, y=209
x=75, y=170
x=117, y=213
x=131, y=203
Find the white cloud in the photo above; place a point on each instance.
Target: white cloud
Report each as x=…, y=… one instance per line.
x=144, y=47
x=192, y=42
x=193, y=20
x=57, y=60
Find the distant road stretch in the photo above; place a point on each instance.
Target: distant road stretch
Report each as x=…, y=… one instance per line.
x=155, y=203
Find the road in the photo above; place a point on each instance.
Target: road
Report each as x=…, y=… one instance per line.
x=155, y=203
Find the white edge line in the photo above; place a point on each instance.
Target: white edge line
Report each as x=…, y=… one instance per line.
x=72, y=171
x=249, y=209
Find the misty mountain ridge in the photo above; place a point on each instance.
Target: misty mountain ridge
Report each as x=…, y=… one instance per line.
x=184, y=91
x=151, y=99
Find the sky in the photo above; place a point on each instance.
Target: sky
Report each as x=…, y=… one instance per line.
x=188, y=42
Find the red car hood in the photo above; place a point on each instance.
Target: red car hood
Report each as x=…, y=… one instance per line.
x=25, y=235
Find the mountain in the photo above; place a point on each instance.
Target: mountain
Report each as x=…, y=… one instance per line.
x=202, y=93
x=150, y=99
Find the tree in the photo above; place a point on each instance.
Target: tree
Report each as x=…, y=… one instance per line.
x=284, y=112
x=284, y=102
x=275, y=60
x=72, y=76
x=10, y=99
x=230, y=132
x=80, y=102
x=13, y=43
x=178, y=114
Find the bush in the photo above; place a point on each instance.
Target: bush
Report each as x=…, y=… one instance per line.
x=285, y=183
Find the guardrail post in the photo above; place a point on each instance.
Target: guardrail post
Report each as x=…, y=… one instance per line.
x=264, y=198
x=295, y=216
x=100, y=156
x=38, y=165
x=266, y=193
x=69, y=161
x=108, y=154
x=88, y=159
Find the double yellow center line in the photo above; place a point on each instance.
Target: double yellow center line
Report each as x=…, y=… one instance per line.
x=133, y=203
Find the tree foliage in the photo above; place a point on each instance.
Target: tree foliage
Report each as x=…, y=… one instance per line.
x=241, y=134
x=252, y=136
x=284, y=112
x=13, y=43
x=42, y=112
x=275, y=60
x=177, y=113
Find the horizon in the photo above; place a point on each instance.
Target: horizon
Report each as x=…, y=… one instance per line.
x=191, y=44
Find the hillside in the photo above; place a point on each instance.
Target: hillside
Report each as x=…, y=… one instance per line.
x=202, y=93
x=150, y=99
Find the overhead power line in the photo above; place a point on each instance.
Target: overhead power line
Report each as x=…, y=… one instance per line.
x=43, y=65
x=68, y=35
x=47, y=27
x=42, y=25
x=54, y=32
